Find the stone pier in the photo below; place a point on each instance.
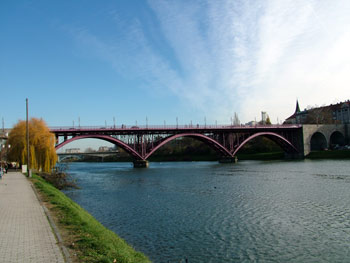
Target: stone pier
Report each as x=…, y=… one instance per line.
x=140, y=163
x=229, y=160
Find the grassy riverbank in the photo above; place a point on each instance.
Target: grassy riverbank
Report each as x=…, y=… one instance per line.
x=85, y=237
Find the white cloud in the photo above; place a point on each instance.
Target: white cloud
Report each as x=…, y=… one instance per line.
x=244, y=56
x=302, y=53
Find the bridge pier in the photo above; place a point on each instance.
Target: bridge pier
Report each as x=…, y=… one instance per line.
x=229, y=160
x=293, y=156
x=140, y=163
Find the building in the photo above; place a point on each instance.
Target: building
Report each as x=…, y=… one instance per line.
x=104, y=149
x=3, y=138
x=297, y=117
x=341, y=112
x=332, y=114
x=73, y=150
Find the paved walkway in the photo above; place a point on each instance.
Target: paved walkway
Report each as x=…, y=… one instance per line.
x=25, y=233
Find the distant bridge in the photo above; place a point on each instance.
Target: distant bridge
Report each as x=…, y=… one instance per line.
x=79, y=155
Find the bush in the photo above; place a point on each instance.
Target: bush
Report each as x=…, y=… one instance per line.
x=59, y=178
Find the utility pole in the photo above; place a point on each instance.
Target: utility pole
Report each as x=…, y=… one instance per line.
x=27, y=135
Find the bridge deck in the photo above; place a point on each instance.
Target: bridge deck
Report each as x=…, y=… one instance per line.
x=60, y=131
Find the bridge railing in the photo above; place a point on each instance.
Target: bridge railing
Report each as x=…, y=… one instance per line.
x=168, y=127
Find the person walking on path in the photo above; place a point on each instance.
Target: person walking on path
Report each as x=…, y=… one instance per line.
x=25, y=232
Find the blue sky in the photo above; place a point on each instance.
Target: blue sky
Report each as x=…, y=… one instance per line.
x=132, y=59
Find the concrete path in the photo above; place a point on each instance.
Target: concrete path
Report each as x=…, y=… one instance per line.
x=25, y=233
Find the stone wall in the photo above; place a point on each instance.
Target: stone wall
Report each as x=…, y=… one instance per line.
x=325, y=129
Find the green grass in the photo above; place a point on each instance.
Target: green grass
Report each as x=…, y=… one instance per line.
x=90, y=239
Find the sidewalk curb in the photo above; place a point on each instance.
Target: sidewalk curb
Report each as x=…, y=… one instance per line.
x=54, y=228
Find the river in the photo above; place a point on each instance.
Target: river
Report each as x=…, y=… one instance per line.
x=252, y=211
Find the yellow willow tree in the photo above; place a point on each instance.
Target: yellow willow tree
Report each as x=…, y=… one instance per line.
x=41, y=145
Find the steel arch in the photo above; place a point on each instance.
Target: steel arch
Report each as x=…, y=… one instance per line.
x=211, y=142
x=280, y=140
x=107, y=138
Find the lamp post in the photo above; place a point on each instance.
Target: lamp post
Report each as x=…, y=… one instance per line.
x=27, y=135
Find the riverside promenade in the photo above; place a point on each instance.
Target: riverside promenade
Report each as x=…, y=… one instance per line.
x=25, y=232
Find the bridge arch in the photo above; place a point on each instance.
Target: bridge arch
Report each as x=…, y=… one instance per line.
x=318, y=142
x=286, y=145
x=209, y=141
x=337, y=138
x=107, y=138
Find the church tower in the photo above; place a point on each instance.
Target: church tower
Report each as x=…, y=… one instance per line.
x=297, y=108
x=294, y=118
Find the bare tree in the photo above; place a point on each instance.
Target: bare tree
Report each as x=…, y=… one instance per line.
x=236, y=120
x=89, y=150
x=319, y=116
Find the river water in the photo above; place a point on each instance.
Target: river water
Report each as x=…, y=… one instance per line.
x=252, y=211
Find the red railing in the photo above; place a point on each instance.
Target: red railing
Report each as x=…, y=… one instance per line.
x=169, y=127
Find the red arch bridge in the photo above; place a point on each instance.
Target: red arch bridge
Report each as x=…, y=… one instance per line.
x=142, y=142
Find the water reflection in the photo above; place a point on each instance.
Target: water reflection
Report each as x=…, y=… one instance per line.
x=206, y=212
